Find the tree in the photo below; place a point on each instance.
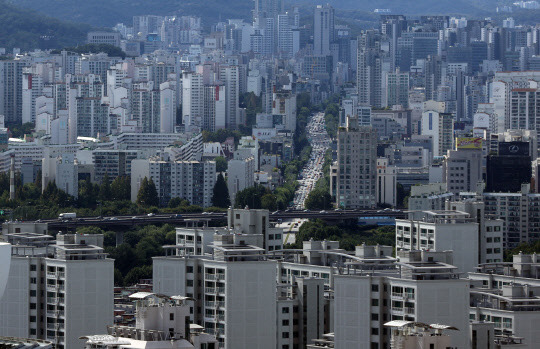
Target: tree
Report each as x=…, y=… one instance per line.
x=147, y=195
x=221, y=164
x=105, y=193
x=138, y=273
x=121, y=188
x=269, y=202
x=250, y=197
x=318, y=199
x=176, y=202
x=221, y=193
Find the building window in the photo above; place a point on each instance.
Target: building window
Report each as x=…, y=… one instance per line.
x=284, y=322
x=171, y=316
x=285, y=310
x=284, y=334
x=375, y=331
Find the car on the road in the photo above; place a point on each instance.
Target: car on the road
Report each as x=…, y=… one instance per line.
x=151, y=214
x=177, y=216
x=134, y=217
x=113, y=219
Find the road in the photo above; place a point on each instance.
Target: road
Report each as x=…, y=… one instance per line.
x=310, y=174
x=185, y=218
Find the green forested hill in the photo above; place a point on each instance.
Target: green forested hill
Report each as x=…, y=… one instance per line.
x=28, y=30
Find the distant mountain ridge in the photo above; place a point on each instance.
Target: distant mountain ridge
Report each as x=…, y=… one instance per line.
x=109, y=12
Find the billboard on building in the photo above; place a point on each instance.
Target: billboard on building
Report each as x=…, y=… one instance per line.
x=469, y=143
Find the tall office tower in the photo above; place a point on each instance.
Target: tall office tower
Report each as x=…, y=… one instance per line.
x=356, y=166
x=192, y=100
x=213, y=118
x=393, y=26
x=397, y=89
x=145, y=106
x=34, y=80
x=57, y=290
x=433, y=74
x=269, y=36
x=11, y=78
x=190, y=180
x=285, y=36
x=266, y=9
x=229, y=76
x=168, y=106
x=415, y=45
x=440, y=126
x=369, y=69
x=323, y=29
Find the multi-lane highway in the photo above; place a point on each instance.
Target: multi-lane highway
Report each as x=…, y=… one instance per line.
x=312, y=171
x=186, y=218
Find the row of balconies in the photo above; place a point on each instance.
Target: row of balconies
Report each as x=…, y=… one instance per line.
x=214, y=304
x=214, y=276
x=214, y=290
x=56, y=274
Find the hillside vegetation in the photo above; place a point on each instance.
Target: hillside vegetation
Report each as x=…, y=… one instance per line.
x=29, y=30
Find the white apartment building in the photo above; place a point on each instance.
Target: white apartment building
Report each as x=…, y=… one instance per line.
x=240, y=175
x=190, y=180
x=441, y=231
x=198, y=241
x=64, y=171
x=506, y=294
x=235, y=291
x=427, y=289
x=298, y=314
x=490, y=230
x=192, y=100
x=356, y=174
x=57, y=290
x=386, y=183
